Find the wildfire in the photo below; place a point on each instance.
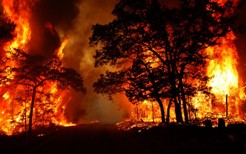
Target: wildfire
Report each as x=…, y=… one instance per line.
x=15, y=103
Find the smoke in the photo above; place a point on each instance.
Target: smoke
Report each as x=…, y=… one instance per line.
x=54, y=21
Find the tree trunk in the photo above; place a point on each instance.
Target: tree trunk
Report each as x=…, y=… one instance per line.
x=168, y=111
x=178, y=111
x=31, y=111
x=162, y=110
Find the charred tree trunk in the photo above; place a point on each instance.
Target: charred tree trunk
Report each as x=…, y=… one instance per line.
x=178, y=111
x=31, y=111
x=168, y=111
x=162, y=110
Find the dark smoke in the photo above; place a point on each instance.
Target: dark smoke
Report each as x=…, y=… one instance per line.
x=45, y=40
x=59, y=12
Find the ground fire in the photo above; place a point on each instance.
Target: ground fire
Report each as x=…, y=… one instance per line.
x=227, y=88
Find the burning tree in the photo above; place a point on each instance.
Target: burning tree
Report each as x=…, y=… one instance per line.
x=160, y=51
x=35, y=72
x=33, y=87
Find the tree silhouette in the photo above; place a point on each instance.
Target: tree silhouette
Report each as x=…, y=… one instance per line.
x=159, y=50
x=34, y=71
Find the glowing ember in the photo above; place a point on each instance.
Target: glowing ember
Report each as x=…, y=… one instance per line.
x=6, y=96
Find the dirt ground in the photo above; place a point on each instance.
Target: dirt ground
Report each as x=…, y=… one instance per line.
x=101, y=138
